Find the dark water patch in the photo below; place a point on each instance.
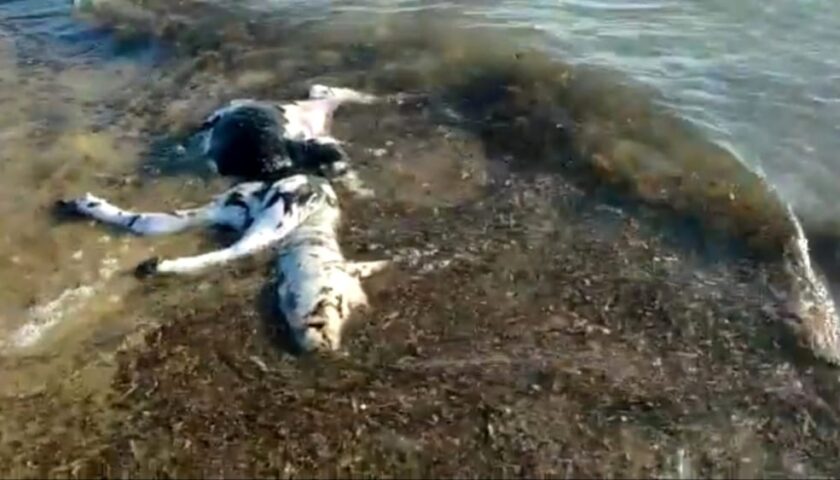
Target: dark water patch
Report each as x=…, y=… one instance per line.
x=166, y=156
x=45, y=30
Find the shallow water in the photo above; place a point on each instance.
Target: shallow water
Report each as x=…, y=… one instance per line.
x=760, y=77
x=62, y=137
x=566, y=158
x=98, y=95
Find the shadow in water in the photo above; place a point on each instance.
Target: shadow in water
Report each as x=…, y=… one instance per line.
x=174, y=156
x=274, y=324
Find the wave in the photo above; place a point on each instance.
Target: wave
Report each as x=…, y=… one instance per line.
x=44, y=318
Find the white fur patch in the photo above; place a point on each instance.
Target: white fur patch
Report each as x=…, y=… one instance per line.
x=318, y=288
x=340, y=94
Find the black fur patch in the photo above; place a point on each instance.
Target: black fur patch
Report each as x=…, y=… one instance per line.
x=263, y=191
x=248, y=142
x=313, y=242
x=291, y=302
x=147, y=268
x=311, y=156
x=277, y=195
x=341, y=306
x=291, y=200
x=236, y=200
x=288, y=202
x=319, y=307
x=249, y=220
x=325, y=291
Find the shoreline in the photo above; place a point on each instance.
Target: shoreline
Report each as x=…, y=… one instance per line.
x=606, y=354
x=568, y=336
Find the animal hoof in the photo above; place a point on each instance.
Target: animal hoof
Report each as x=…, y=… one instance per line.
x=147, y=268
x=66, y=208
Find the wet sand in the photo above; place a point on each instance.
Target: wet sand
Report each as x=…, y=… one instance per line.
x=566, y=339
x=569, y=335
